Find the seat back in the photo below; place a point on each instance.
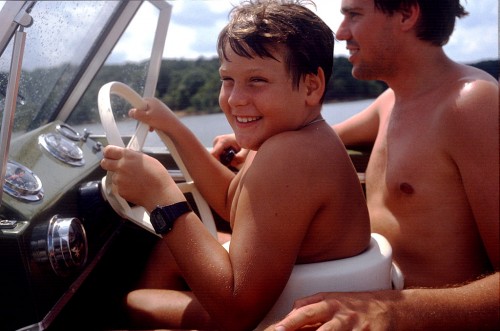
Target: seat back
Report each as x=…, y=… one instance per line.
x=368, y=271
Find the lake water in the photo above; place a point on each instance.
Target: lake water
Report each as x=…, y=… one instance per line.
x=207, y=127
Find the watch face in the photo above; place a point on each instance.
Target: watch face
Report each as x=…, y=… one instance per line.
x=158, y=222
x=163, y=218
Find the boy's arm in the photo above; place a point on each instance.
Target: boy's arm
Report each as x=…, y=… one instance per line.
x=211, y=178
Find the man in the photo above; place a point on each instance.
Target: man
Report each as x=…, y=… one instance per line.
x=433, y=177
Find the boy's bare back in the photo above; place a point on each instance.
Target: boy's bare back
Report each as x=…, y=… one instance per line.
x=287, y=192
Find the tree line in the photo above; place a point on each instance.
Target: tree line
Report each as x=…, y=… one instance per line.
x=193, y=85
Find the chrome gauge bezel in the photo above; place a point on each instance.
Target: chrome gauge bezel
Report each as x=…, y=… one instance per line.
x=22, y=183
x=62, y=243
x=62, y=148
x=67, y=245
x=68, y=131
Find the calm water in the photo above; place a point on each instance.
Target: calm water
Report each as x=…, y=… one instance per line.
x=207, y=127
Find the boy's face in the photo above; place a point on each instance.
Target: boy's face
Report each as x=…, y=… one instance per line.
x=370, y=38
x=258, y=98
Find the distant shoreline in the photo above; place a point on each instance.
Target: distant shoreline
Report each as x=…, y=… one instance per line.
x=183, y=113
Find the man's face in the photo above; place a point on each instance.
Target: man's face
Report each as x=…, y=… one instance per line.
x=369, y=37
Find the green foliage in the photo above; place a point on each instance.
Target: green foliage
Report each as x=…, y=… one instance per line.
x=193, y=85
x=184, y=85
x=190, y=85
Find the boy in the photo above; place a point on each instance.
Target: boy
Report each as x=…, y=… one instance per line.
x=276, y=58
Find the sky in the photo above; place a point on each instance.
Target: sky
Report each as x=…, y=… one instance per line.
x=195, y=25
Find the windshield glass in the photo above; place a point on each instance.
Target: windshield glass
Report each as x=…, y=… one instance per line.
x=118, y=67
x=59, y=46
x=56, y=45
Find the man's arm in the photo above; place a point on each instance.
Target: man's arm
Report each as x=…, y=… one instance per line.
x=362, y=128
x=470, y=307
x=473, y=139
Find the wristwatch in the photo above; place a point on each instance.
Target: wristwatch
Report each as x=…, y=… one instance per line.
x=163, y=217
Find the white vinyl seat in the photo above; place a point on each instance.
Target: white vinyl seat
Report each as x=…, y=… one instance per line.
x=369, y=271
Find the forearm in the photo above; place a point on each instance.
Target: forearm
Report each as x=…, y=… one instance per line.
x=211, y=276
x=211, y=178
x=470, y=307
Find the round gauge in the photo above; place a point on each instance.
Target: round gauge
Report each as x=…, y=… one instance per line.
x=66, y=244
x=62, y=148
x=62, y=242
x=69, y=132
x=22, y=183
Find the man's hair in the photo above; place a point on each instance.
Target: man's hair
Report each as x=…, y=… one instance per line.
x=437, y=17
x=259, y=27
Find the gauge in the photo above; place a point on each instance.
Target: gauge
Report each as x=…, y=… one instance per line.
x=22, y=183
x=62, y=242
x=68, y=131
x=62, y=148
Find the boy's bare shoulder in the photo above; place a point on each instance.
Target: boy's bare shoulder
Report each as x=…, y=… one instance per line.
x=305, y=155
x=301, y=143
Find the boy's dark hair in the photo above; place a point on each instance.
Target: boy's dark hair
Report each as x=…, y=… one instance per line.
x=437, y=17
x=258, y=27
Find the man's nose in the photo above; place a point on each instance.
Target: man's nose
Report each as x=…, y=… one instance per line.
x=343, y=32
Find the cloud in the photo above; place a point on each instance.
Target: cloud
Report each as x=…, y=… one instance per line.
x=476, y=36
x=194, y=28
x=195, y=25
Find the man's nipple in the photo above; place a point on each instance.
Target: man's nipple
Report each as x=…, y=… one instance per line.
x=406, y=188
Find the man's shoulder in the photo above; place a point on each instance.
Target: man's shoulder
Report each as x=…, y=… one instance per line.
x=475, y=74
x=478, y=92
x=470, y=91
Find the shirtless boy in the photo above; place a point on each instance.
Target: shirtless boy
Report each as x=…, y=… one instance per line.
x=433, y=177
x=273, y=83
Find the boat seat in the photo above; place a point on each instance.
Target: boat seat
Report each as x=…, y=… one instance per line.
x=369, y=271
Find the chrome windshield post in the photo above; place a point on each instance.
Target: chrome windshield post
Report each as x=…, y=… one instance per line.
x=24, y=20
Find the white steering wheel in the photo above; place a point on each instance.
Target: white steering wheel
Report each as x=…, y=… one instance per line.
x=138, y=214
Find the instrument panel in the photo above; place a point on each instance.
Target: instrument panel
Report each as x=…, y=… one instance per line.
x=54, y=222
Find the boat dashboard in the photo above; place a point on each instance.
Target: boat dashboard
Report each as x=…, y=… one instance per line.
x=55, y=223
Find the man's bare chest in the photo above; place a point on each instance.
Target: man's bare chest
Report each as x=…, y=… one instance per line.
x=409, y=157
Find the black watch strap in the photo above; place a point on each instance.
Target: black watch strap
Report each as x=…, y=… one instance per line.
x=163, y=217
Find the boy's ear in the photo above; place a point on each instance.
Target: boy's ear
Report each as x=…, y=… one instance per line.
x=315, y=87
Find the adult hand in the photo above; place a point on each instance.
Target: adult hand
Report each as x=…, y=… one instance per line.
x=226, y=149
x=337, y=311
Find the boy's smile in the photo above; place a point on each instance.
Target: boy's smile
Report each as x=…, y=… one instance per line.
x=258, y=98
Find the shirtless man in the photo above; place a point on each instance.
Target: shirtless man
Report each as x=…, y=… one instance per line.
x=432, y=182
x=273, y=84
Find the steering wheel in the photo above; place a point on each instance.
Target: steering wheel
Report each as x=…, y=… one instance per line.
x=138, y=214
